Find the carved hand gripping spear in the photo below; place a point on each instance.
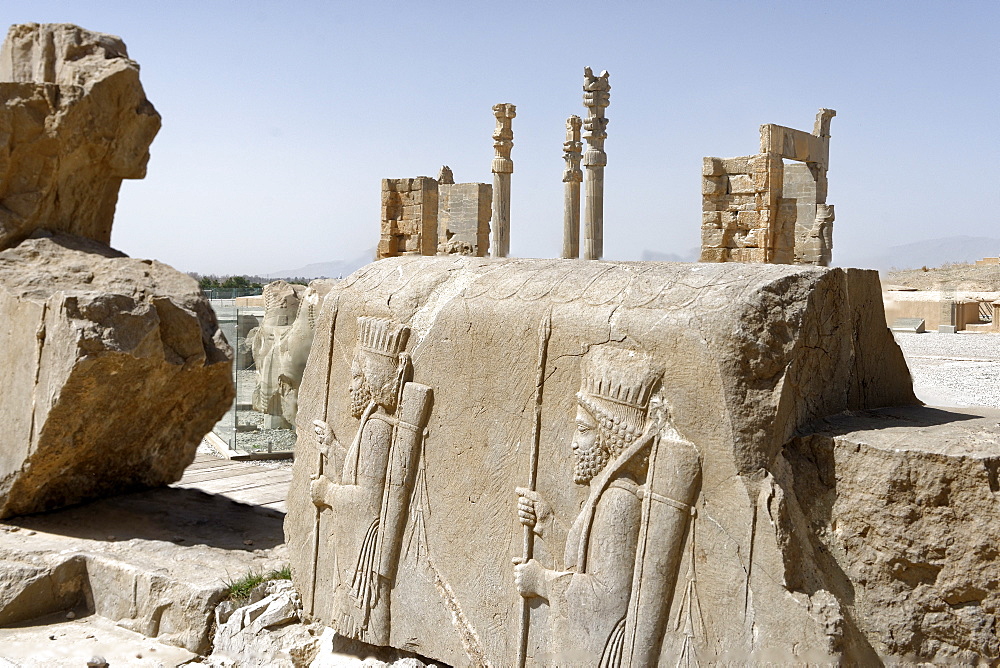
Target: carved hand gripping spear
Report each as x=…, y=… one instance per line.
x=544, y=332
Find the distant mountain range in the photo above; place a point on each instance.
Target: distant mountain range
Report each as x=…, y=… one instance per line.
x=930, y=253
x=331, y=269
x=656, y=256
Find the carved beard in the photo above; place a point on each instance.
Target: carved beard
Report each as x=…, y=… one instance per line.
x=589, y=464
x=360, y=398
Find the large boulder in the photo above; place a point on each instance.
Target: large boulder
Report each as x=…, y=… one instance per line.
x=896, y=510
x=112, y=370
x=74, y=122
x=436, y=387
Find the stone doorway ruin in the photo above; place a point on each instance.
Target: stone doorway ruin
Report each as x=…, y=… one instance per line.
x=771, y=207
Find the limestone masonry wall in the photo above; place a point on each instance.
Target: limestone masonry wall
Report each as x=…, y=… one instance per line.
x=758, y=209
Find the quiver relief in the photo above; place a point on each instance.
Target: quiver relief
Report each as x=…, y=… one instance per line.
x=404, y=456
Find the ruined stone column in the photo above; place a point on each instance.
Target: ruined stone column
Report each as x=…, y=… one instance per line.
x=503, y=167
x=572, y=177
x=596, y=97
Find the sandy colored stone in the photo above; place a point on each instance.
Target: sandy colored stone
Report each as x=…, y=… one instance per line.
x=265, y=632
x=783, y=214
x=155, y=562
x=898, y=508
x=721, y=364
x=55, y=642
x=74, y=122
x=113, y=369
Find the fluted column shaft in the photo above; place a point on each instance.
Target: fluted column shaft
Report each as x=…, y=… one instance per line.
x=596, y=97
x=503, y=167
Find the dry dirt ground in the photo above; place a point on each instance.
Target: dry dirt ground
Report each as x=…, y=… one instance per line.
x=970, y=277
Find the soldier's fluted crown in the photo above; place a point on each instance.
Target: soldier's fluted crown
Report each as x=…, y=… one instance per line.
x=381, y=336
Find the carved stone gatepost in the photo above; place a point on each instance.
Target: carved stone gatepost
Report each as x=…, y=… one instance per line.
x=503, y=167
x=463, y=216
x=572, y=177
x=596, y=97
x=757, y=208
x=409, y=217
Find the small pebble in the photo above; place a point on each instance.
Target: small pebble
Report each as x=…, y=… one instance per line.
x=29, y=533
x=248, y=542
x=111, y=538
x=70, y=615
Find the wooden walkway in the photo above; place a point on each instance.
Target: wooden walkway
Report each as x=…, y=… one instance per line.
x=245, y=483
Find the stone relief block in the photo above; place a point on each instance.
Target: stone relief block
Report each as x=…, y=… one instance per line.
x=280, y=347
x=613, y=428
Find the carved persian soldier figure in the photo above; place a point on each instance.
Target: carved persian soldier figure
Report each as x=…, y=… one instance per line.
x=370, y=500
x=595, y=607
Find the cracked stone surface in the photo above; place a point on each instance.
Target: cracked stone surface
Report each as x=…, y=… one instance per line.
x=74, y=123
x=750, y=355
x=113, y=370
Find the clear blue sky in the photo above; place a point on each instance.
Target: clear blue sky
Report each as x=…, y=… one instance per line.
x=281, y=118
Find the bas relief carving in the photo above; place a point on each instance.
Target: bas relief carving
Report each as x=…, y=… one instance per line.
x=280, y=347
x=596, y=434
x=368, y=483
x=609, y=599
x=608, y=606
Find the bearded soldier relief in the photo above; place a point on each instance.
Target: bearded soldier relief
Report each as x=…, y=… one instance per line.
x=597, y=616
x=369, y=495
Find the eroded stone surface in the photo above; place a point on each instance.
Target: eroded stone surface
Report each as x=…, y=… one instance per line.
x=112, y=368
x=74, y=122
x=154, y=562
x=426, y=408
x=900, y=508
x=265, y=632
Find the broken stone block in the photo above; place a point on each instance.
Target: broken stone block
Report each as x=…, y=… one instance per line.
x=112, y=370
x=264, y=632
x=75, y=122
x=714, y=186
x=611, y=426
x=895, y=510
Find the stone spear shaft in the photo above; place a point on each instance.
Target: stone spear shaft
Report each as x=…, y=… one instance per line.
x=320, y=458
x=544, y=332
